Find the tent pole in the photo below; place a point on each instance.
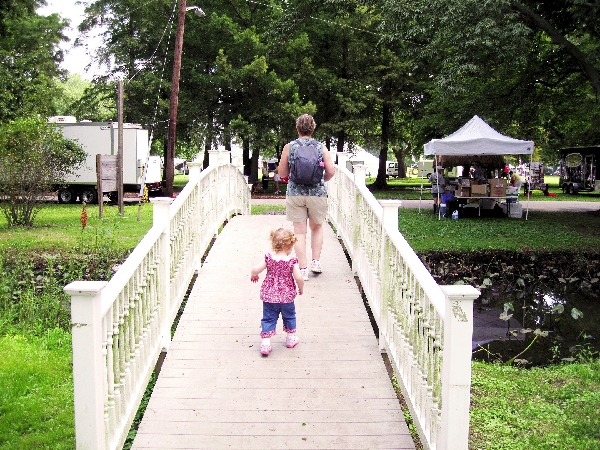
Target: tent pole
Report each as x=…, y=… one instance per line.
x=421, y=193
x=528, y=185
x=437, y=180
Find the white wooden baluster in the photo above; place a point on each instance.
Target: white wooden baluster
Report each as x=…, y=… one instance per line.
x=359, y=180
x=389, y=222
x=338, y=214
x=162, y=218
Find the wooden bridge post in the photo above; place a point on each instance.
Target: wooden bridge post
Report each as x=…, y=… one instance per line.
x=389, y=222
x=162, y=218
x=89, y=365
x=195, y=171
x=213, y=161
x=360, y=174
x=224, y=157
x=213, y=158
x=237, y=162
x=195, y=167
x=342, y=158
x=456, y=369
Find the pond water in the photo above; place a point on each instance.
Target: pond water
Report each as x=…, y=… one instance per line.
x=538, y=326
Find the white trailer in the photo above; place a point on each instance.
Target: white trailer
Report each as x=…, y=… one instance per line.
x=102, y=138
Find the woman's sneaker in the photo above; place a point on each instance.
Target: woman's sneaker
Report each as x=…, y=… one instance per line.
x=304, y=273
x=315, y=266
x=291, y=341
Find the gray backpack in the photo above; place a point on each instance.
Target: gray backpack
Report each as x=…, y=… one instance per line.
x=308, y=167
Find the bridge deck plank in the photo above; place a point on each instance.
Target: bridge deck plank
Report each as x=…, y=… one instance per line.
x=216, y=391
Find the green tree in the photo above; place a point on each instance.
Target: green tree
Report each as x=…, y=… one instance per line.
x=34, y=156
x=29, y=59
x=528, y=68
x=228, y=89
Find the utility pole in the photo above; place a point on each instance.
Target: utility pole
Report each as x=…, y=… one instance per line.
x=172, y=132
x=120, y=147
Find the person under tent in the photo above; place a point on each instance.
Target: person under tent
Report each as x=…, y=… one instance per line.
x=438, y=183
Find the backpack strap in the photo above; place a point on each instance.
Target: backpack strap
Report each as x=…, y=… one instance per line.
x=311, y=142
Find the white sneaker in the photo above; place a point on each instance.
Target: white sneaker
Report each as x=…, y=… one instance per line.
x=304, y=273
x=315, y=266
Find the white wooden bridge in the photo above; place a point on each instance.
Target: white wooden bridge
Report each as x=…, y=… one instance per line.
x=215, y=390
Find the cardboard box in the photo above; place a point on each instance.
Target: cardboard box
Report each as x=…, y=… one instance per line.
x=479, y=190
x=463, y=191
x=497, y=187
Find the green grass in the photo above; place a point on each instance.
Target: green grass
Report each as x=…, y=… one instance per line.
x=36, y=398
x=554, y=407
x=36, y=394
x=58, y=229
x=557, y=407
x=179, y=181
x=257, y=210
x=541, y=232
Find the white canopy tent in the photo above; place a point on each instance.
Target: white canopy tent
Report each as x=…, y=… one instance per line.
x=370, y=161
x=477, y=138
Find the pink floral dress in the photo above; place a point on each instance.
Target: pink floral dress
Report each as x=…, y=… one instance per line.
x=279, y=285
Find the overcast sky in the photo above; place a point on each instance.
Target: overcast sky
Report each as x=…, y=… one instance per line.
x=75, y=58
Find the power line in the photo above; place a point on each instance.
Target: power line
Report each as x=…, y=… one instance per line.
x=170, y=27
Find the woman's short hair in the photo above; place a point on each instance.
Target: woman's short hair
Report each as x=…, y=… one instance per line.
x=306, y=124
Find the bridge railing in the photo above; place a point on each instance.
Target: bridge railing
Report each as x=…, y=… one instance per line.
x=425, y=329
x=120, y=327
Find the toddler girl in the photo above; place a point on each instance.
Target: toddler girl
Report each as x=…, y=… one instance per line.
x=278, y=289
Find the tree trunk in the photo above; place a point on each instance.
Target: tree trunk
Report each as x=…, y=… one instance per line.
x=341, y=141
x=381, y=180
x=254, y=163
x=246, y=156
x=206, y=149
x=400, y=153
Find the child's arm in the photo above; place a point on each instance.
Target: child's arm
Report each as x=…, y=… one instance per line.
x=256, y=270
x=298, y=277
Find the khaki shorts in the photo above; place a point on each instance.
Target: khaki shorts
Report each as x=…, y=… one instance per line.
x=301, y=207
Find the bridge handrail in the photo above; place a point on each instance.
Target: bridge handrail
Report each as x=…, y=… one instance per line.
x=120, y=327
x=425, y=329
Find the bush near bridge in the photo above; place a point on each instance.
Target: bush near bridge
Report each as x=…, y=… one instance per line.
x=558, y=406
x=33, y=157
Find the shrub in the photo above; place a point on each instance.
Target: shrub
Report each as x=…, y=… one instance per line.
x=34, y=156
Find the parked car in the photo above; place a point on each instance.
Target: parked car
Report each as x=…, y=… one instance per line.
x=391, y=169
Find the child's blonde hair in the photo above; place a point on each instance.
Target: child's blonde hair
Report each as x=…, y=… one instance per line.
x=282, y=239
